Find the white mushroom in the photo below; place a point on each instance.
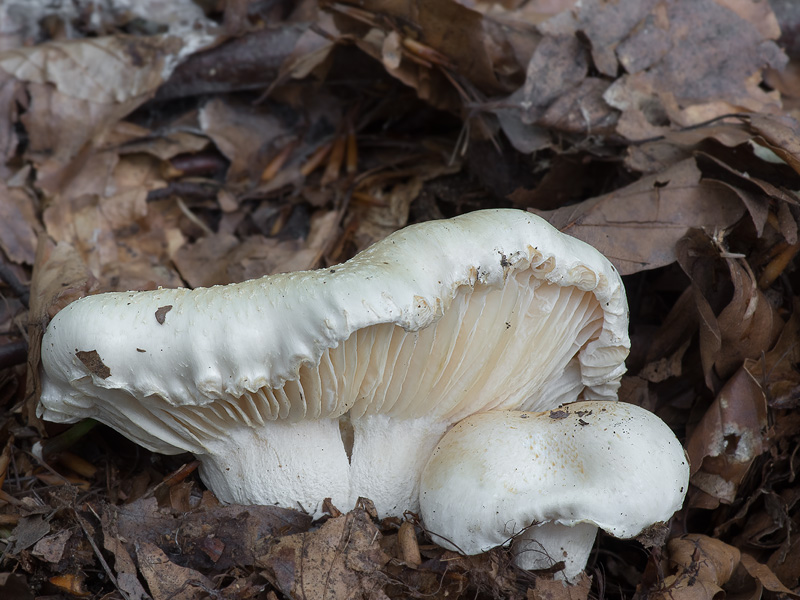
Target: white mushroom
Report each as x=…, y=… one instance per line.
x=551, y=479
x=339, y=382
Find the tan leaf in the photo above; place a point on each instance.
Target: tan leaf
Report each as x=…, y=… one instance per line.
x=728, y=438
x=18, y=224
x=765, y=576
x=637, y=226
x=166, y=580
x=338, y=560
x=702, y=566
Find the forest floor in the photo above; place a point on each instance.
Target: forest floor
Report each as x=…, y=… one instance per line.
x=150, y=143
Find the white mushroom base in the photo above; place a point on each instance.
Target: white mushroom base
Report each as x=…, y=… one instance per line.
x=298, y=465
x=542, y=546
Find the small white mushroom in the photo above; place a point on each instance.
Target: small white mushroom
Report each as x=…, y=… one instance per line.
x=339, y=382
x=551, y=479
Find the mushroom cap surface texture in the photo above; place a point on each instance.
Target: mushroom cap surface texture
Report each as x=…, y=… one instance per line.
x=491, y=310
x=612, y=465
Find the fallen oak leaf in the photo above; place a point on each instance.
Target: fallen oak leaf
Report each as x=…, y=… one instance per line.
x=764, y=575
x=775, y=370
x=637, y=227
x=729, y=437
x=166, y=580
x=702, y=566
x=339, y=560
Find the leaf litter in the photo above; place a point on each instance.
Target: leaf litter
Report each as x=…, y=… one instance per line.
x=219, y=141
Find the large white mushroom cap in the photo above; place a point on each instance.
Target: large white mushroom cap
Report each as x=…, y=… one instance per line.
x=561, y=474
x=488, y=311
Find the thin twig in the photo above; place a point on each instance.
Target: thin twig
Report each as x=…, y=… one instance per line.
x=100, y=556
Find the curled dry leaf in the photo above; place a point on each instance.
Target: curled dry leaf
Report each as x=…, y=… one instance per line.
x=223, y=258
x=165, y=579
x=704, y=567
x=554, y=589
x=246, y=62
x=211, y=538
x=776, y=370
x=557, y=95
x=341, y=559
x=764, y=575
x=743, y=326
x=437, y=34
x=80, y=88
x=701, y=565
x=19, y=226
x=248, y=136
x=124, y=565
x=665, y=82
x=728, y=438
x=638, y=226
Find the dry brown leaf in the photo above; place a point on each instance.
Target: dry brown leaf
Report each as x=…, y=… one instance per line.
x=59, y=277
x=165, y=579
x=211, y=537
x=749, y=324
x=556, y=95
x=781, y=134
x=472, y=43
x=391, y=194
x=764, y=575
x=702, y=566
x=106, y=70
x=29, y=531
x=311, y=49
x=605, y=25
x=664, y=81
x=582, y=110
x=51, y=548
x=735, y=318
x=80, y=88
x=248, y=60
x=776, y=370
x=223, y=258
x=12, y=98
x=674, y=146
x=757, y=13
x=19, y=225
x=248, y=136
x=339, y=560
x=124, y=566
x=125, y=241
x=728, y=438
x=558, y=65
x=431, y=38
x=638, y=226
x=550, y=589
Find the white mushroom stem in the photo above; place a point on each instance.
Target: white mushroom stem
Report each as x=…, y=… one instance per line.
x=289, y=464
x=585, y=465
x=299, y=464
x=388, y=456
x=542, y=546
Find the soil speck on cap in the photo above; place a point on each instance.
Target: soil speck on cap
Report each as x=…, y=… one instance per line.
x=559, y=414
x=92, y=361
x=161, y=313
